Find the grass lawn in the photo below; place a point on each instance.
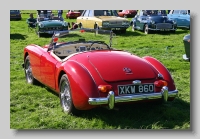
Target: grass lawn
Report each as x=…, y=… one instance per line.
x=37, y=107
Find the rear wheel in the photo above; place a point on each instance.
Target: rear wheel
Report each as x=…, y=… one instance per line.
x=133, y=27
x=80, y=25
x=28, y=71
x=66, y=96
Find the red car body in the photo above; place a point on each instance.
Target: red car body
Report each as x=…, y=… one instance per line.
x=127, y=13
x=100, y=77
x=73, y=14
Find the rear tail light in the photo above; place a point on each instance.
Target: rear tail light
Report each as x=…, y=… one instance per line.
x=160, y=83
x=105, y=88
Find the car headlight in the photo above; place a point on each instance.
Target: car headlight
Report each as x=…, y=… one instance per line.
x=65, y=24
x=174, y=22
x=124, y=23
x=152, y=22
x=105, y=23
x=41, y=25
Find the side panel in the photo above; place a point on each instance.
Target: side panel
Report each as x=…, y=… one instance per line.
x=47, y=69
x=81, y=82
x=163, y=70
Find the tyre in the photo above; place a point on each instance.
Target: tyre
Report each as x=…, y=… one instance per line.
x=66, y=96
x=80, y=25
x=133, y=27
x=146, y=29
x=28, y=72
x=123, y=31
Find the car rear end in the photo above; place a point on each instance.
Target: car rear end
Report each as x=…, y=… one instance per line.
x=128, y=80
x=15, y=15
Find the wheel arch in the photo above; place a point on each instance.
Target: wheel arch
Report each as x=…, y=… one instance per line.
x=81, y=83
x=161, y=69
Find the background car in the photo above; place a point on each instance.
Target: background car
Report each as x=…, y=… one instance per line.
x=182, y=18
x=127, y=13
x=15, y=14
x=102, y=19
x=186, y=42
x=153, y=20
x=49, y=25
x=73, y=14
x=87, y=73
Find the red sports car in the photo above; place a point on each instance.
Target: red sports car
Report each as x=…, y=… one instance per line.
x=127, y=13
x=90, y=73
x=73, y=14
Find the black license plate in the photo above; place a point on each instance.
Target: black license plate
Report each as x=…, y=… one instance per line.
x=133, y=89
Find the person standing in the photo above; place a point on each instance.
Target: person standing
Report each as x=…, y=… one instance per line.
x=60, y=12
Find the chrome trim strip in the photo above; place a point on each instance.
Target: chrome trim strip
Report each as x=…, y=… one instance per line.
x=111, y=99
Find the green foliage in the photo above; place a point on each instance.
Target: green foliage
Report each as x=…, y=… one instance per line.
x=37, y=107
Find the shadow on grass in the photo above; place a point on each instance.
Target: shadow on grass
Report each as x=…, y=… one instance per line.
x=17, y=36
x=46, y=35
x=143, y=115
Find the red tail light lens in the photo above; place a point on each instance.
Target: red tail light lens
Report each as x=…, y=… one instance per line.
x=160, y=83
x=105, y=88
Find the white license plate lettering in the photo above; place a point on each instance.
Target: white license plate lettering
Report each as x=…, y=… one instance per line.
x=132, y=89
x=122, y=90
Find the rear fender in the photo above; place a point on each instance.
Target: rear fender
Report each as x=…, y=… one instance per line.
x=82, y=84
x=163, y=70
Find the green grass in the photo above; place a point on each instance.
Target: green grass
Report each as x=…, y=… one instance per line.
x=37, y=107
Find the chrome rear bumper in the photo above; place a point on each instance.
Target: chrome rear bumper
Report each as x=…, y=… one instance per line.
x=111, y=99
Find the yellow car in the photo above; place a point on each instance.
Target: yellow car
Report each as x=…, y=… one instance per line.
x=102, y=19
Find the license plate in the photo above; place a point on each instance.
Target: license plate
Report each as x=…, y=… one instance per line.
x=50, y=32
x=117, y=28
x=164, y=30
x=133, y=89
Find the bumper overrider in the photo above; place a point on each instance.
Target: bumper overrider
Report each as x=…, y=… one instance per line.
x=111, y=99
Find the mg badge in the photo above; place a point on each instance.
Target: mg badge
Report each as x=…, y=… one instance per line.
x=127, y=70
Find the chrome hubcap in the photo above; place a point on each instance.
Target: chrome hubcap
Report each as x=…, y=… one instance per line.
x=28, y=71
x=65, y=96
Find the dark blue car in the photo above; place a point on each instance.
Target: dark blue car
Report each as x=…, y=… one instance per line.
x=15, y=14
x=153, y=20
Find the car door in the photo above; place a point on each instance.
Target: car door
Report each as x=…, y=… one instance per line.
x=175, y=15
x=184, y=18
x=140, y=20
x=48, y=69
x=83, y=18
x=91, y=19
